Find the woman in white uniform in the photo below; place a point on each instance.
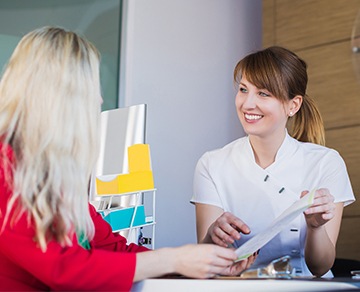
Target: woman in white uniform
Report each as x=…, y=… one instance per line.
x=241, y=188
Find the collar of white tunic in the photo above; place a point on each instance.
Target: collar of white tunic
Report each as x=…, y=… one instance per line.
x=287, y=148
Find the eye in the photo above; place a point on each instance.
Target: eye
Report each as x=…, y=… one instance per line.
x=242, y=89
x=264, y=94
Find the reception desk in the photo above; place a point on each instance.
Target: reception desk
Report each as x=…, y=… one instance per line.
x=237, y=284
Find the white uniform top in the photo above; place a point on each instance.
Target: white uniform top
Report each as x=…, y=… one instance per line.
x=229, y=178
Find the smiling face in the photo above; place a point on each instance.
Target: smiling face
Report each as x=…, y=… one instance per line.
x=260, y=112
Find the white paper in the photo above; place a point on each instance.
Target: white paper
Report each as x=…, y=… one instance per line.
x=260, y=239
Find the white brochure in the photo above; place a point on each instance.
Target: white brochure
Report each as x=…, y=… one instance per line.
x=260, y=239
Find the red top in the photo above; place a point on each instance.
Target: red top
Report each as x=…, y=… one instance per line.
x=108, y=265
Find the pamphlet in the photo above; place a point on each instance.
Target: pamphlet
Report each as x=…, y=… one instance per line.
x=260, y=239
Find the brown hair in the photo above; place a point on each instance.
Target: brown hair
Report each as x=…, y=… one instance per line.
x=284, y=74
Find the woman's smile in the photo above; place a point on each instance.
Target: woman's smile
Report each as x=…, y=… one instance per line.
x=252, y=117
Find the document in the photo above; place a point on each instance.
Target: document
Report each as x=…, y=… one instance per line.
x=262, y=238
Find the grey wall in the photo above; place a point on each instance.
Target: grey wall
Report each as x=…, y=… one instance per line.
x=178, y=57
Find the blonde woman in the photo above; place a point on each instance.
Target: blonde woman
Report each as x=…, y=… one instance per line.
x=243, y=186
x=50, y=237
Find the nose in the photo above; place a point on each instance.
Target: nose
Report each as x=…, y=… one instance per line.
x=249, y=101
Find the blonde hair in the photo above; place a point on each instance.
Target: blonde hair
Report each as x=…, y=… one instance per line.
x=284, y=74
x=49, y=114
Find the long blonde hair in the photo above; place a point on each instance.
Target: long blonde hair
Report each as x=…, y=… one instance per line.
x=49, y=113
x=284, y=74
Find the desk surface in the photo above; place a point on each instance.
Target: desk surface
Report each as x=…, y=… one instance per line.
x=293, y=285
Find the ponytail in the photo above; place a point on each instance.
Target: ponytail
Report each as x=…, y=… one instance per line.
x=307, y=124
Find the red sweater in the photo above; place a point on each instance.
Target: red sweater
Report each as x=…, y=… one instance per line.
x=108, y=265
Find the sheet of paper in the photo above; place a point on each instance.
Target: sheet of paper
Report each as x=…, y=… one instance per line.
x=260, y=239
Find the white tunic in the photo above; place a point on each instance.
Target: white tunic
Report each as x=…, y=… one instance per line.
x=229, y=178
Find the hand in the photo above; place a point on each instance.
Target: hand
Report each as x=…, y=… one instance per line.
x=322, y=210
x=238, y=267
x=203, y=260
x=192, y=260
x=226, y=229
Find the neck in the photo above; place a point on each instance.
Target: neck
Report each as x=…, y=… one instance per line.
x=265, y=149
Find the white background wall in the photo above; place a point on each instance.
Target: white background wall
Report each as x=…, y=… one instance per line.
x=178, y=57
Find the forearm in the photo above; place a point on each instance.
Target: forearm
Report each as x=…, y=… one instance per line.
x=154, y=263
x=192, y=260
x=206, y=215
x=319, y=251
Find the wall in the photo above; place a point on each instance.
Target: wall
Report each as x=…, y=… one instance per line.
x=320, y=32
x=178, y=57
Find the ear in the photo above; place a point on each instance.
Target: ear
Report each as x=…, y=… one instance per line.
x=294, y=105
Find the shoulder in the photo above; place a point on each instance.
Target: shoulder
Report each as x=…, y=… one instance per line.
x=320, y=153
x=308, y=147
x=218, y=159
x=225, y=151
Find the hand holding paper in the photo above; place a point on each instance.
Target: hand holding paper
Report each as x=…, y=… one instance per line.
x=260, y=239
x=322, y=210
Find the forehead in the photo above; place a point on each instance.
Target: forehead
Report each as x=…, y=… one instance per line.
x=249, y=85
x=246, y=82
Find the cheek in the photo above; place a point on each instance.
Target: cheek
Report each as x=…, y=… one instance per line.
x=277, y=109
x=280, y=116
x=238, y=101
x=238, y=106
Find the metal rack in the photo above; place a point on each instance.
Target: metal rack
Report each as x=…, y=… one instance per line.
x=134, y=233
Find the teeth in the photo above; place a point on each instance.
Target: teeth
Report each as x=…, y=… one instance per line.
x=252, y=117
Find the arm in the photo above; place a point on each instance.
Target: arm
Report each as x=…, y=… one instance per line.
x=195, y=261
x=323, y=221
x=66, y=268
x=205, y=216
x=74, y=268
x=212, y=224
x=215, y=226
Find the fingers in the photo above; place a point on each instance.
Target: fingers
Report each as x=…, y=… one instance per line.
x=328, y=208
x=226, y=229
x=323, y=203
x=219, y=260
x=240, y=226
x=238, y=267
x=202, y=260
x=303, y=193
x=322, y=210
x=328, y=216
x=226, y=232
x=220, y=238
